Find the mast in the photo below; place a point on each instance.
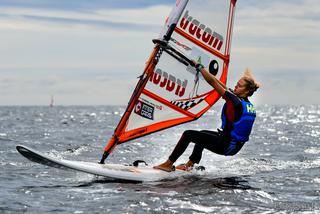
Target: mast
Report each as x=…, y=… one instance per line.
x=142, y=82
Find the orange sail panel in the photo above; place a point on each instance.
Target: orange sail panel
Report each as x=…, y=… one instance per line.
x=168, y=92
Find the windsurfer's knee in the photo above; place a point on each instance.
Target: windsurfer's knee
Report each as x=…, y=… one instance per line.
x=233, y=148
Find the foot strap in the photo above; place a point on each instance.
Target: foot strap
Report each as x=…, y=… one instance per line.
x=136, y=163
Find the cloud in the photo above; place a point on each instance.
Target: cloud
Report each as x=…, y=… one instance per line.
x=139, y=19
x=277, y=36
x=283, y=22
x=88, y=51
x=47, y=39
x=82, y=5
x=33, y=37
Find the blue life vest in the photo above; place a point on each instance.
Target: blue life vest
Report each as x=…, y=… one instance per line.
x=241, y=129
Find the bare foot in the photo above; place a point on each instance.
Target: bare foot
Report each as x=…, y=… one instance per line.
x=186, y=167
x=166, y=166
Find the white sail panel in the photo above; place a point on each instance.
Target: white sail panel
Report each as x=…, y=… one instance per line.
x=149, y=111
x=206, y=21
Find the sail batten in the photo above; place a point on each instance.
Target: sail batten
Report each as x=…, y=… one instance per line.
x=169, y=91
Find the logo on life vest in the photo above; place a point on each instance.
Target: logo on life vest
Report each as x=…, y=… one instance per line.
x=200, y=31
x=144, y=110
x=250, y=109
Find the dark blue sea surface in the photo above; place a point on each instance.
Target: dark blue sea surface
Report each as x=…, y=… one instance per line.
x=277, y=171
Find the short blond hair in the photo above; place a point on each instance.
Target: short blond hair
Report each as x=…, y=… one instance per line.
x=251, y=84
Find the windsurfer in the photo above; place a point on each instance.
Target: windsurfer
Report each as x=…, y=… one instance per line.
x=238, y=116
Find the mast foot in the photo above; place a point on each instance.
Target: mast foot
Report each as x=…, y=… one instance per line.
x=104, y=157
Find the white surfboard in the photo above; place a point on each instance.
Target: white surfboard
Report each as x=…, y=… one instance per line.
x=115, y=171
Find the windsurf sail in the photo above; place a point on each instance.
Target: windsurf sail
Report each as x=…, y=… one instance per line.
x=169, y=91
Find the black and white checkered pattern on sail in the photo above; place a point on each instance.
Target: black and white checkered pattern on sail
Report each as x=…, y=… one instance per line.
x=186, y=104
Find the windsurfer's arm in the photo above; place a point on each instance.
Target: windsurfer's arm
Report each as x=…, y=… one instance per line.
x=212, y=80
x=222, y=84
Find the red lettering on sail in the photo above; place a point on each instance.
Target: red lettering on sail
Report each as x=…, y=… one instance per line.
x=169, y=82
x=200, y=31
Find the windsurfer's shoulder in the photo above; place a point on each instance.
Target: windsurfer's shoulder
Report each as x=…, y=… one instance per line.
x=232, y=97
x=234, y=102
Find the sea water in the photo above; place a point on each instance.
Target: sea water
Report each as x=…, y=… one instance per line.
x=277, y=171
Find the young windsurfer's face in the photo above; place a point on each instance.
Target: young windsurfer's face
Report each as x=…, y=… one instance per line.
x=240, y=89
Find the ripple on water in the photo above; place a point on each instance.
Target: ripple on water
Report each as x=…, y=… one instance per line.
x=277, y=171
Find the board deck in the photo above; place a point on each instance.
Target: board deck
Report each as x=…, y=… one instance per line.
x=115, y=171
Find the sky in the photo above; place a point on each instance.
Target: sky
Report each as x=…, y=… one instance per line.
x=91, y=52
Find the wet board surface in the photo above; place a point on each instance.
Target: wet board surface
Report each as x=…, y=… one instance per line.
x=115, y=171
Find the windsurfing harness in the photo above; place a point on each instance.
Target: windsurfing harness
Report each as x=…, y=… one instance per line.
x=242, y=128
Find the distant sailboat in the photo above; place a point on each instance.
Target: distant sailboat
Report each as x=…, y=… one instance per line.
x=51, y=101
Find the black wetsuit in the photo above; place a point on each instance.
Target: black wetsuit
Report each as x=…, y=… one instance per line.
x=215, y=141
